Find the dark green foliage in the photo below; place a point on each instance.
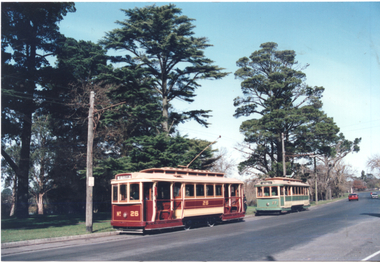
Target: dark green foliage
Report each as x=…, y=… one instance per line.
x=160, y=41
x=276, y=94
x=149, y=152
x=29, y=35
x=158, y=151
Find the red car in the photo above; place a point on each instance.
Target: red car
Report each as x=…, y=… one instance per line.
x=353, y=197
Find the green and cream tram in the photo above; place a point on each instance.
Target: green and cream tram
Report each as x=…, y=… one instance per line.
x=280, y=194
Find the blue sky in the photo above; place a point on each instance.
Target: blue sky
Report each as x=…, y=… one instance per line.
x=340, y=41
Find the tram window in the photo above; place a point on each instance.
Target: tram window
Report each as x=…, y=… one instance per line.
x=134, y=192
x=115, y=192
x=218, y=190
x=147, y=191
x=177, y=189
x=226, y=191
x=281, y=190
x=189, y=190
x=266, y=191
x=163, y=190
x=123, y=192
x=274, y=191
x=259, y=191
x=210, y=190
x=200, y=190
x=233, y=188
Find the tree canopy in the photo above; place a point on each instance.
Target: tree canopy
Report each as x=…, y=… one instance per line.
x=276, y=95
x=30, y=34
x=161, y=41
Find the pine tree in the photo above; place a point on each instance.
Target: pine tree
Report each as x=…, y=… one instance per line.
x=276, y=94
x=160, y=40
x=29, y=34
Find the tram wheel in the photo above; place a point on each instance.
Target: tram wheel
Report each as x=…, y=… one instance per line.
x=187, y=224
x=211, y=221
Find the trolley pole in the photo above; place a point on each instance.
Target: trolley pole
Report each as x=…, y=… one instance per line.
x=89, y=177
x=283, y=156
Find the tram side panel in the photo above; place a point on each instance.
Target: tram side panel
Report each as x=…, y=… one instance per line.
x=142, y=205
x=290, y=198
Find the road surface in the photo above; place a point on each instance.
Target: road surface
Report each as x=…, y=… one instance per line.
x=337, y=231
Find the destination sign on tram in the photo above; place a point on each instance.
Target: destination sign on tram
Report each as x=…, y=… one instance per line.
x=124, y=177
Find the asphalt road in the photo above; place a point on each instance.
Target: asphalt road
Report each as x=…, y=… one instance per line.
x=338, y=231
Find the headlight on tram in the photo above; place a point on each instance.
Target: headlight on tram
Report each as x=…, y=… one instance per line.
x=268, y=204
x=125, y=214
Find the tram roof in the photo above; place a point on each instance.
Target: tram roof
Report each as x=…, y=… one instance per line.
x=175, y=175
x=281, y=181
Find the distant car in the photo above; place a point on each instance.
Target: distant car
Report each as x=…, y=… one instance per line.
x=374, y=195
x=353, y=197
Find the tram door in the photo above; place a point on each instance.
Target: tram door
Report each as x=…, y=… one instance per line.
x=227, y=203
x=163, y=204
x=234, y=197
x=148, y=201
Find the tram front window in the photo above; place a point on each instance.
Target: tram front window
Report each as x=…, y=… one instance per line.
x=123, y=192
x=115, y=192
x=266, y=191
x=259, y=191
x=134, y=192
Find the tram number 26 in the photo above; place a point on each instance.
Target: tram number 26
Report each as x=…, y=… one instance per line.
x=205, y=203
x=134, y=213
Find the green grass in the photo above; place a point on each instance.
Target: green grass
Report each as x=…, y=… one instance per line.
x=345, y=196
x=251, y=210
x=48, y=226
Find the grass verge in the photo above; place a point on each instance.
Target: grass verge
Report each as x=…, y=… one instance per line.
x=321, y=202
x=49, y=226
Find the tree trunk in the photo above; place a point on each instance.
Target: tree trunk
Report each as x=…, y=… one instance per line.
x=40, y=204
x=14, y=197
x=22, y=205
x=165, y=114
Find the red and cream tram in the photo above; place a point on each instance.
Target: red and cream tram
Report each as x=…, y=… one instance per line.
x=174, y=197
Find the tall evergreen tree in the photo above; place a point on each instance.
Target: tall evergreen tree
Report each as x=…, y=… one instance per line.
x=29, y=35
x=161, y=41
x=276, y=94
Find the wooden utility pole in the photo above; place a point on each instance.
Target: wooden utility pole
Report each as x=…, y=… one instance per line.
x=316, y=184
x=89, y=177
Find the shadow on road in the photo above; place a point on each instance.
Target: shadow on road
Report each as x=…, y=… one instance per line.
x=371, y=214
